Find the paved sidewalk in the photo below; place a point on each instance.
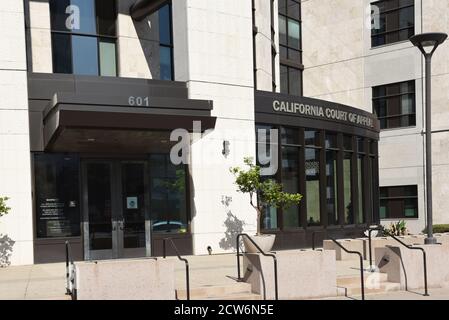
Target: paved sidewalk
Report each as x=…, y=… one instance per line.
x=435, y=294
x=47, y=281
x=36, y=282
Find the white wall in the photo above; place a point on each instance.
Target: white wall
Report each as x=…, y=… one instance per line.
x=213, y=53
x=341, y=66
x=15, y=175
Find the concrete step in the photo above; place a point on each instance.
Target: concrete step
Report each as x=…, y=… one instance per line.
x=238, y=296
x=219, y=292
x=368, y=276
x=355, y=290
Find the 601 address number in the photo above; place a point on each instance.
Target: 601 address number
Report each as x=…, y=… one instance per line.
x=139, y=101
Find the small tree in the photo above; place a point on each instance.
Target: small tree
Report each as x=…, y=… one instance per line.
x=3, y=208
x=268, y=192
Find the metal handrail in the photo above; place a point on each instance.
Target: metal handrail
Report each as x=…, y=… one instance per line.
x=68, y=262
x=408, y=246
x=276, y=292
x=313, y=237
x=362, y=280
x=378, y=228
x=181, y=259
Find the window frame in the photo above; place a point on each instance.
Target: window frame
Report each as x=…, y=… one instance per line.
x=171, y=45
x=287, y=62
x=395, y=30
x=401, y=198
x=391, y=96
x=99, y=37
x=368, y=171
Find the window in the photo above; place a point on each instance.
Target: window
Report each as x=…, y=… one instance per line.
x=57, y=195
x=168, y=200
x=397, y=22
x=335, y=173
x=399, y=202
x=84, y=37
x=166, y=43
x=394, y=105
x=331, y=178
x=290, y=48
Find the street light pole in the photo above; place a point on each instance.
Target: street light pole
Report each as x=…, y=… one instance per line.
x=431, y=41
x=430, y=238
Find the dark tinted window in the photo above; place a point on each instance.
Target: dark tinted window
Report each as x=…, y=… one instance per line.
x=399, y=202
x=62, y=53
x=396, y=22
x=166, y=43
x=83, y=49
x=290, y=46
x=76, y=43
x=395, y=105
x=57, y=195
x=106, y=17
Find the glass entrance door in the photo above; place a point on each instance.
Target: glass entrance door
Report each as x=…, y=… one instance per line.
x=115, y=205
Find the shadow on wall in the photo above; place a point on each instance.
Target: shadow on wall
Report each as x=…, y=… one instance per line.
x=6, y=247
x=233, y=225
x=147, y=32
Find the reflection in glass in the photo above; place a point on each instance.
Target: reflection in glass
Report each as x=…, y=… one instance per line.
x=290, y=183
x=361, y=188
x=133, y=189
x=168, y=195
x=312, y=169
x=347, y=193
x=57, y=195
x=294, y=34
x=99, y=206
x=107, y=59
x=87, y=16
x=85, y=55
x=166, y=63
x=62, y=53
x=331, y=187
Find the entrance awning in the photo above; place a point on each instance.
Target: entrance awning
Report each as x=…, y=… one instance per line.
x=114, y=115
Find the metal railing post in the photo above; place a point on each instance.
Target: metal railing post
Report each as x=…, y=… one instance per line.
x=426, y=289
x=67, y=271
x=164, y=246
x=276, y=288
x=370, y=245
x=362, y=278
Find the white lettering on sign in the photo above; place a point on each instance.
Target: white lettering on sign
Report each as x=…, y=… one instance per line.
x=139, y=101
x=322, y=112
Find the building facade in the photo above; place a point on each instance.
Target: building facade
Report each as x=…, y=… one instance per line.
x=97, y=94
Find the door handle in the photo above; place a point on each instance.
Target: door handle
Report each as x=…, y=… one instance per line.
x=121, y=225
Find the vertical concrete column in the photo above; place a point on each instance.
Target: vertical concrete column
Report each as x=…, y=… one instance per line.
x=213, y=50
x=16, y=231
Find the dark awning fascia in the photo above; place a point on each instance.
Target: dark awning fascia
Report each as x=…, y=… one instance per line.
x=143, y=8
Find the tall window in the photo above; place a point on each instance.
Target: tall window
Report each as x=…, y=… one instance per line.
x=394, y=105
x=335, y=173
x=397, y=21
x=168, y=198
x=57, y=195
x=84, y=37
x=166, y=42
x=290, y=46
x=331, y=142
x=399, y=202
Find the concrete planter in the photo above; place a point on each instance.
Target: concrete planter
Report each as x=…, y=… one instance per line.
x=264, y=241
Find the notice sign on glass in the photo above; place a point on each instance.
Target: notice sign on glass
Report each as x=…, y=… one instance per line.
x=52, y=211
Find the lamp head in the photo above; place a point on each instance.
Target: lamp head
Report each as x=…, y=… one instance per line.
x=428, y=42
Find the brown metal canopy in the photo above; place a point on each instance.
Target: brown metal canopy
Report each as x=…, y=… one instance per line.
x=97, y=114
